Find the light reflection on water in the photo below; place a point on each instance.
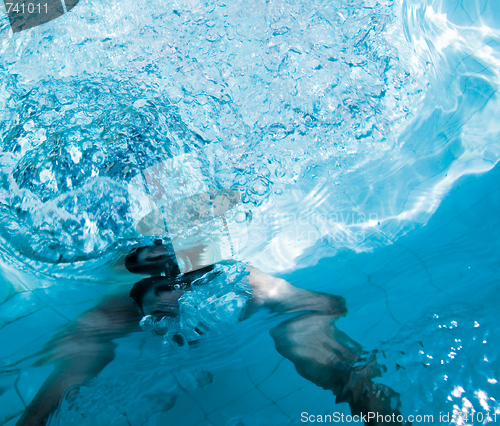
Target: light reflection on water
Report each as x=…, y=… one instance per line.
x=340, y=130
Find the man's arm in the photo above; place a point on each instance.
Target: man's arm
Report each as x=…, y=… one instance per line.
x=280, y=296
x=321, y=352
x=80, y=351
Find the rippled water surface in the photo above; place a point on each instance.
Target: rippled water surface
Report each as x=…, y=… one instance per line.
x=363, y=138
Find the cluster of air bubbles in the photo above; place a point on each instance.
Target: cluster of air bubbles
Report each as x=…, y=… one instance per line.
x=66, y=155
x=270, y=96
x=450, y=361
x=214, y=304
x=175, y=332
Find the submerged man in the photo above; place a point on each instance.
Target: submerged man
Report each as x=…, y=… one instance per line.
x=320, y=352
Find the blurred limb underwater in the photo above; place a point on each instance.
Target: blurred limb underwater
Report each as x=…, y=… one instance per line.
x=320, y=352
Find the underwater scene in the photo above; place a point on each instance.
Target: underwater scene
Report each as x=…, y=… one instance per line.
x=249, y=213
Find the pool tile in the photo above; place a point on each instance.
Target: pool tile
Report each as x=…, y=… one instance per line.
x=13, y=421
x=31, y=380
x=261, y=360
x=19, y=306
x=227, y=385
x=185, y=412
x=10, y=401
x=70, y=312
x=311, y=399
x=282, y=382
x=244, y=406
x=269, y=416
x=26, y=331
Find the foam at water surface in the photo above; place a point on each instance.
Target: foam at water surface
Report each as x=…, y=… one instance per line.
x=322, y=99
x=283, y=92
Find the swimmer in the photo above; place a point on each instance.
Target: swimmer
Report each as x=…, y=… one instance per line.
x=320, y=352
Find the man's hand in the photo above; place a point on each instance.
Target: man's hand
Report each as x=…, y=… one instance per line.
x=321, y=352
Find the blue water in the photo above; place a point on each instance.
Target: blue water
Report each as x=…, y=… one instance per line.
x=364, y=139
